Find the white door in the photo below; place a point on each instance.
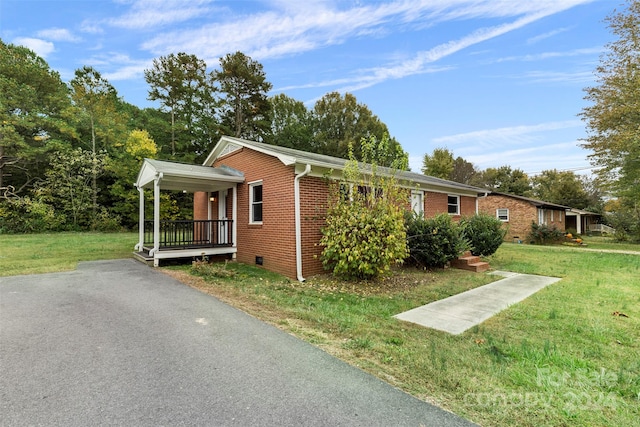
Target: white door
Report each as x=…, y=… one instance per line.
x=417, y=201
x=223, y=228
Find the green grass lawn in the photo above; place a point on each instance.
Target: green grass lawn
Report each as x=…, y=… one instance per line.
x=566, y=356
x=46, y=253
x=561, y=357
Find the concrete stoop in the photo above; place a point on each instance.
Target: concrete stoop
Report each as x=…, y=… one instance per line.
x=470, y=262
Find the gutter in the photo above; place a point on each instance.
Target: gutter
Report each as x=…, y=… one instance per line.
x=296, y=191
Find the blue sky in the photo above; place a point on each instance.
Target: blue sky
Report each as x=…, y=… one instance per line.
x=498, y=82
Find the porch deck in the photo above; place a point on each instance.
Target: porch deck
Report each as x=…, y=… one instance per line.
x=187, y=239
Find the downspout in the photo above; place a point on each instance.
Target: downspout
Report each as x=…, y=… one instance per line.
x=156, y=214
x=296, y=191
x=140, y=244
x=477, y=206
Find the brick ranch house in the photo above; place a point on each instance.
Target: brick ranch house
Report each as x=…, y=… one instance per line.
x=517, y=213
x=264, y=204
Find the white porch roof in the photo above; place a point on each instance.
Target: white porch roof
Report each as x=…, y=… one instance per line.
x=181, y=176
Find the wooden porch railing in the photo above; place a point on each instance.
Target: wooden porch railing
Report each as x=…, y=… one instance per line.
x=188, y=234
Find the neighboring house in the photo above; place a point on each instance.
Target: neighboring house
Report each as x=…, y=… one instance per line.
x=582, y=221
x=517, y=213
x=266, y=204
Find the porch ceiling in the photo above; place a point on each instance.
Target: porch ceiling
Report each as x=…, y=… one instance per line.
x=180, y=176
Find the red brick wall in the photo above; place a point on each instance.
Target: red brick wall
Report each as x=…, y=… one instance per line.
x=200, y=206
x=314, y=193
x=274, y=240
x=437, y=203
x=521, y=215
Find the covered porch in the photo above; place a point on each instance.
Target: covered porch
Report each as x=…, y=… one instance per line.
x=163, y=239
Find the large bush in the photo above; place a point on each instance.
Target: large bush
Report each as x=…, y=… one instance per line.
x=363, y=240
x=433, y=242
x=545, y=235
x=24, y=215
x=484, y=233
x=364, y=233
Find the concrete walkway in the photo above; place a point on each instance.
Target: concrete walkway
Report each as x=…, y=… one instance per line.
x=460, y=312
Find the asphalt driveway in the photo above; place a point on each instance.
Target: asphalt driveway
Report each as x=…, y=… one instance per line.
x=118, y=343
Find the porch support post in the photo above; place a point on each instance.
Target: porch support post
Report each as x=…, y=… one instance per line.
x=156, y=217
x=140, y=244
x=234, y=217
x=578, y=223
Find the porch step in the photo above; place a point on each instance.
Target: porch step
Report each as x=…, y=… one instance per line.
x=470, y=262
x=143, y=257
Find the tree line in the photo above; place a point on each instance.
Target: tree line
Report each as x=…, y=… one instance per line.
x=69, y=153
x=553, y=186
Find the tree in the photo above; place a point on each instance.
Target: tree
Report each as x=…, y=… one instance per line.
x=463, y=172
x=138, y=146
x=34, y=118
x=97, y=100
x=613, y=118
x=340, y=121
x=244, y=87
x=505, y=180
x=67, y=187
x=291, y=123
x=560, y=187
x=439, y=164
x=364, y=233
x=181, y=83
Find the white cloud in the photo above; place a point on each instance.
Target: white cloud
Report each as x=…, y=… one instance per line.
x=122, y=66
x=557, y=77
x=536, y=39
x=57, y=34
x=307, y=26
x=154, y=13
x=500, y=136
x=91, y=27
x=549, y=55
x=42, y=47
x=566, y=155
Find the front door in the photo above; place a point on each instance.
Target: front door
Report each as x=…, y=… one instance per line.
x=223, y=227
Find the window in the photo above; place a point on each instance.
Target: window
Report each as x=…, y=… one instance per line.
x=255, y=202
x=502, y=214
x=417, y=201
x=453, y=205
x=366, y=191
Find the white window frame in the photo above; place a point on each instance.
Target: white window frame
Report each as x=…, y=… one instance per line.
x=505, y=215
x=252, y=185
x=457, y=204
x=417, y=201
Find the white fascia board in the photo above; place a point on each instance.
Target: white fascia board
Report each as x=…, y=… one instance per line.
x=286, y=160
x=146, y=175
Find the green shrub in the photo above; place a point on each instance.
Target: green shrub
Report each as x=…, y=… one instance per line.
x=433, y=242
x=25, y=215
x=105, y=221
x=364, y=233
x=484, y=233
x=362, y=240
x=545, y=235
